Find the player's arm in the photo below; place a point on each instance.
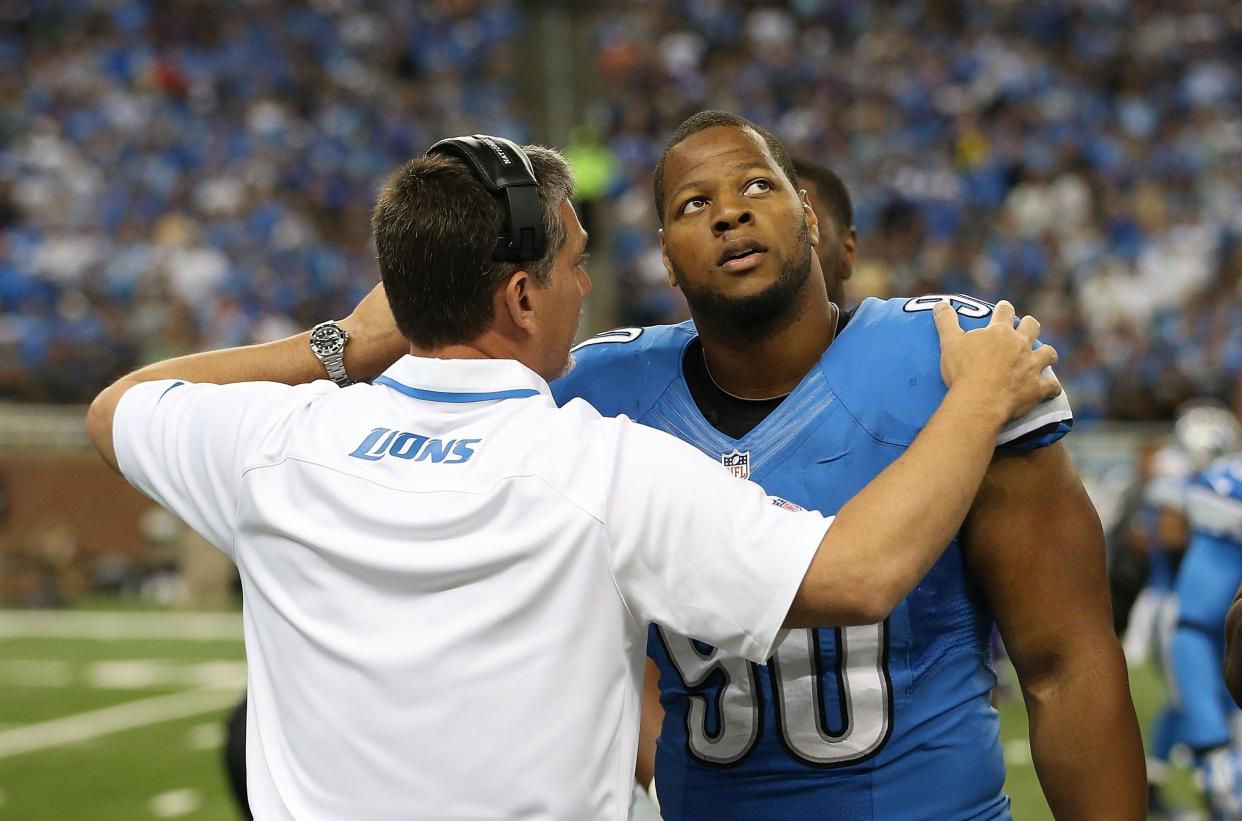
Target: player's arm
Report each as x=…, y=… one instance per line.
x=886, y=538
x=1233, y=648
x=649, y=729
x=1034, y=543
x=374, y=344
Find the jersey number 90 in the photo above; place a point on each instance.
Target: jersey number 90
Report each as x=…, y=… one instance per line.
x=863, y=688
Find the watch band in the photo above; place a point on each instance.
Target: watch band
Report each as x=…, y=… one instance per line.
x=334, y=364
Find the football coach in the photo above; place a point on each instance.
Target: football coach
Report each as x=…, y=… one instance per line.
x=448, y=579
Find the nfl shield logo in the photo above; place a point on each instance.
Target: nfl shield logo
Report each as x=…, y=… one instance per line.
x=737, y=463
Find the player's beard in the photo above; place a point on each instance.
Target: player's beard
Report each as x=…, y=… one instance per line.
x=757, y=315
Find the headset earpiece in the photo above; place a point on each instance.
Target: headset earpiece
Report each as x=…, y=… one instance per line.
x=504, y=168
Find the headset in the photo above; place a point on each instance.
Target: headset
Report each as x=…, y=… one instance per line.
x=504, y=168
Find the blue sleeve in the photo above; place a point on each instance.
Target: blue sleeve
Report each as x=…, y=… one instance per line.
x=1206, y=584
x=602, y=372
x=1047, y=422
x=887, y=371
x=624, y=371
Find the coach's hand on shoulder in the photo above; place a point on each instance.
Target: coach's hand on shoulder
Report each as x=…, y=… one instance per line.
x=887, y=537
x=374, y=341
x=995, y=364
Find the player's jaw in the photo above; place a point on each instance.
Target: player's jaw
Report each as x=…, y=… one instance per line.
x=746, y=300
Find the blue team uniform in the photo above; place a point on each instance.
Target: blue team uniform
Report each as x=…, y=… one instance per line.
x=888, y=721
x=1209, y=577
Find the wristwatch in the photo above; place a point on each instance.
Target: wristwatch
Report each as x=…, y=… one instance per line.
x=327, y=343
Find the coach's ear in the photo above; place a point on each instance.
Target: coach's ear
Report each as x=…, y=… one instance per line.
x=517, y=305
x=668, y=263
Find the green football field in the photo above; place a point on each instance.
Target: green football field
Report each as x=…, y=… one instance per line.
x=118, y=716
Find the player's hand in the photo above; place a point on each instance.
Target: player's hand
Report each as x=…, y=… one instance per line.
x=996, y=363
x=374, y=341
x=1221, y=771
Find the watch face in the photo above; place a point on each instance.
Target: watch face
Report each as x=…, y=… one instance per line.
x=326, y=340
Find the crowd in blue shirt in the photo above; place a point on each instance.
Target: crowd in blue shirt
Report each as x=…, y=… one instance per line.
x=175, y=177
x=192, y=175
x=1083, y=159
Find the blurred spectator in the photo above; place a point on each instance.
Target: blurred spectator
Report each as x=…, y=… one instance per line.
x=1081, y=159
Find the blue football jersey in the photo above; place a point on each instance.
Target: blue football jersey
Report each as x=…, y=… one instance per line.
x=1206, y=584
x=885, y=721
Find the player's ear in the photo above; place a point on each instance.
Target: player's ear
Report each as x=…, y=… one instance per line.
x=849, y=245
x=517, y=302
x=812, y=221
x=668, y=263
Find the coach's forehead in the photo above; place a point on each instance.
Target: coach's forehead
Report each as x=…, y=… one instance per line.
x=706, y=153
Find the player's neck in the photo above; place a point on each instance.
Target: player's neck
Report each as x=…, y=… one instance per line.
x=774, y=364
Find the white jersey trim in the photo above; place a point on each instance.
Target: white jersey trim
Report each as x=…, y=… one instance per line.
x=1214, y=514
x=1045, y=413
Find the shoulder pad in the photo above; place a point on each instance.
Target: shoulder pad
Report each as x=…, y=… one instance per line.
x=625, y=371
x=885, y=368
x=1214, y=499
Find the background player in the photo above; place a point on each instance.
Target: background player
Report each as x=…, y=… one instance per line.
x=838, y=241
x=1203, y=432
x=1210, y=575
x=878, y=721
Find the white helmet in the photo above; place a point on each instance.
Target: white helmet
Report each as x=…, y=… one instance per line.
x=1204, y=430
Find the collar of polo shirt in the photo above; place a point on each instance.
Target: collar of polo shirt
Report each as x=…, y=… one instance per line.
x=463, y=381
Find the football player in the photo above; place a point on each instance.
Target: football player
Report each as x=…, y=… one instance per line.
x=880, y=721
x=838, y=239
x=1209, y=577
x=1202, y=432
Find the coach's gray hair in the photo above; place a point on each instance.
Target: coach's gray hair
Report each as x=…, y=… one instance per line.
x=435, y=230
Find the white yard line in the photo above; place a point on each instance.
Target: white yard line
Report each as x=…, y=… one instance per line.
x=85, y=726
x=175, y=803
x=106, y=625
x=123, y=674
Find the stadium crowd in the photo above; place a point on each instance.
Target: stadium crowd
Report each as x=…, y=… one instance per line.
x=1083, y=159
x=174, y=178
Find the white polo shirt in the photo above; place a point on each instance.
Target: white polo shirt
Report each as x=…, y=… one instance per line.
x=448, y=581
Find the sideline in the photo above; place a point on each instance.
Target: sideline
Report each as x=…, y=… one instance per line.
x=86, y=726
x=112, y=626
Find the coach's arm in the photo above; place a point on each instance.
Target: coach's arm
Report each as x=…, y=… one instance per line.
x=374, y=344
x=1034, y=543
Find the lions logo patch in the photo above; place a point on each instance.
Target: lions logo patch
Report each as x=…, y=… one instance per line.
x=737, y=463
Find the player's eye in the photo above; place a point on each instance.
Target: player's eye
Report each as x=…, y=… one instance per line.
x=694, y=204
x=759, y=186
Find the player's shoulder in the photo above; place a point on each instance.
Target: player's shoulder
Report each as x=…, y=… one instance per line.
x=1214, y=500
x=885, y=368
x=1223, y=477
x=625, y=370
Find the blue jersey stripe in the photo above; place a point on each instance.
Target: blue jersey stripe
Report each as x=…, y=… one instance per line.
x=444, y=396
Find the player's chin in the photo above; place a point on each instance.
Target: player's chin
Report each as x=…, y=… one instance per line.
x=747, y=284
